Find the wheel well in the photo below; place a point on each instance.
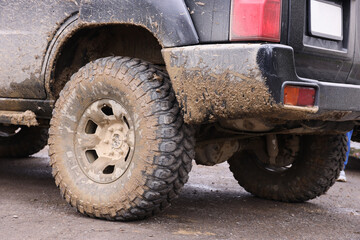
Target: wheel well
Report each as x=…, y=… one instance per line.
x=90, y=43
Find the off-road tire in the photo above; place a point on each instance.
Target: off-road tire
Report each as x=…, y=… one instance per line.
x=27, y=141
x=164, y=145
x=315, y=170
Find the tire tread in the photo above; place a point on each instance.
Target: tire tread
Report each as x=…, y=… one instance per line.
x=168, y=177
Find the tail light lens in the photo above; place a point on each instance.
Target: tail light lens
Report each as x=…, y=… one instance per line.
x=299, y=96
x=255, y=20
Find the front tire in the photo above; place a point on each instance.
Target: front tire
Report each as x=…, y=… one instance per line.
x=314, y=170
x=118, y=144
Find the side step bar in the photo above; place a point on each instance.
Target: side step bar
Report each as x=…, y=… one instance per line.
x=27, y=118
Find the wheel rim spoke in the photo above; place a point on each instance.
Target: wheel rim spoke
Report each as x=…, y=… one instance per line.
x=105, y=140
x=96, y=115
x=100, y=164
x=88, y=141
x=119, y=112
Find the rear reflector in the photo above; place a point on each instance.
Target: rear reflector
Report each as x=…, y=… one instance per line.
x=255, y=20
x=299, y=96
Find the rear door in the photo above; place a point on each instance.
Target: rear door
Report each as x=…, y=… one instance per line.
x=320, y=53
x=26, y=27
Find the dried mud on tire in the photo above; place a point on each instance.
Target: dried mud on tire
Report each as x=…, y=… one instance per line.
x=163, y=143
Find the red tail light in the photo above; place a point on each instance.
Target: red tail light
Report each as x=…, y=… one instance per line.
x=255, y=20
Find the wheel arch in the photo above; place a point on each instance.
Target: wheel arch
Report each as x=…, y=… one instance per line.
x=102, y=28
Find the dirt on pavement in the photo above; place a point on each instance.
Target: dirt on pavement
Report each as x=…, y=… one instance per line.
x=211, y=206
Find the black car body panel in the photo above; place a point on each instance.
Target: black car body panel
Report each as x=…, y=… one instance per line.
x=354, y=77
x=211, y=19
x=320, y=58
x=26, y=28
x=168, y=20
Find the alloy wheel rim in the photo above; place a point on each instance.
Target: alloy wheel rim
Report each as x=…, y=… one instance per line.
x=104, y=141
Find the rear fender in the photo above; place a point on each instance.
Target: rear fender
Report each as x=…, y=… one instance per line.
x=168, y=20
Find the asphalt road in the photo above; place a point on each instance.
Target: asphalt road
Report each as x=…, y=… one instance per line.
x=211, y=206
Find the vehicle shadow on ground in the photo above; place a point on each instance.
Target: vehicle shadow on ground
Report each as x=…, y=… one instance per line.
x=25, y=168
x=353, y=164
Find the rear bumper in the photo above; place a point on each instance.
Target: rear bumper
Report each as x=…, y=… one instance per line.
x=214, y=82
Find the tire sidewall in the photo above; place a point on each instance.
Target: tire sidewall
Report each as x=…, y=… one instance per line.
x=86, y=92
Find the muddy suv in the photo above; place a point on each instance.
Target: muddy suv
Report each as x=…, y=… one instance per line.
x=126, y=88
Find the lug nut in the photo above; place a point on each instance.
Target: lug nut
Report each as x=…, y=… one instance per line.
x=106, y=141
x=111, y=129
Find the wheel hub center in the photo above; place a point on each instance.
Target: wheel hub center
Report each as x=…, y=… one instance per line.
x=117, y=141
